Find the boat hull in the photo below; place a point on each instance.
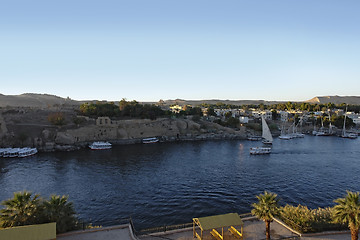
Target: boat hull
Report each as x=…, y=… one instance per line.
x=260, y=150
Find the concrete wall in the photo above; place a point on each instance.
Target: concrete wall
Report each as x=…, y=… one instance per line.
x=31, y=232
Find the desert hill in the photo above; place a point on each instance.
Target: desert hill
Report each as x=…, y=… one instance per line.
x=47, y=100
x=34, y=100
x=353, y=100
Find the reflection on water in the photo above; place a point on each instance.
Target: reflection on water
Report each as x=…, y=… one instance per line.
x=171, y=183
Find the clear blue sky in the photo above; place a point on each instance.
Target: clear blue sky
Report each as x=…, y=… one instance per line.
x=191, y=49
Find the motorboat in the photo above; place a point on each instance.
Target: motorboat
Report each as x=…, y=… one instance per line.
x=260, y=150
x=100, y=145
x=26, y=152
x=150, y=140
x=17, y=152
x=254, y=138
x=11, y=153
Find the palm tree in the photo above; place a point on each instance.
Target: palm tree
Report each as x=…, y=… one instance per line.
x=58, y=209
x=348, y=211
x=266, y=209
x=21, y=210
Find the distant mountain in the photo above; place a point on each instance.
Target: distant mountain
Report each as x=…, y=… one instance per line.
x=47, y=100
x=34, y=100
x=353, y=100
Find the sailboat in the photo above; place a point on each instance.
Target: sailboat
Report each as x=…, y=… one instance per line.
x=267, y=139
x=266, y=134
x=344, y=134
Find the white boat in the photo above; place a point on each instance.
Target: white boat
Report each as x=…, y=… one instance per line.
x=150, y=140
x=267, y=139
x=100, y=145
x=17, y=152
x=284, y=136
x=254, y=138
x=3, y=151
x=26, y=152
x=345, y=134
x=266, y=134
x=260, y=150
x=11, y=153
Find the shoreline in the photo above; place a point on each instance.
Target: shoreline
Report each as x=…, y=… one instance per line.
x=53, y=147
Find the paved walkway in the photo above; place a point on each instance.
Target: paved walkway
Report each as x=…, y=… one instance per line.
x=253, y=230
x=117, y=233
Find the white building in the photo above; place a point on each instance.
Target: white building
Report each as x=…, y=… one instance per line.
x=244, y=119
x=284, y=115
x=355, y=117
x=176, y=108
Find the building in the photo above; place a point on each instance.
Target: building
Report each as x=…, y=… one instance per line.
x=176, y=108
x=284, y=115
x=103, y=121
x=244, y=119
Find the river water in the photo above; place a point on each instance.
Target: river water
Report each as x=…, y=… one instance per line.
x=170, y=183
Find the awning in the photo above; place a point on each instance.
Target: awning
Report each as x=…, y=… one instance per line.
x=218, y=221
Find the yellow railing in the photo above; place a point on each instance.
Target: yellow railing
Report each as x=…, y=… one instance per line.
x=235, y=232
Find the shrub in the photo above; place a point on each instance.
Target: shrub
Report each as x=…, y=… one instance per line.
x=305, y=220
x=57, y=118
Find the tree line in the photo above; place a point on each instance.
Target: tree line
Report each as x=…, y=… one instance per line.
x=125, y=108
x=310, y=107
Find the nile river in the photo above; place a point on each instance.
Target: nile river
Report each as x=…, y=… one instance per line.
x=170, y=183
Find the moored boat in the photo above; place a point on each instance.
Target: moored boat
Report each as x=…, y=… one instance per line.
x=11, y=153
x=345, y=134
x=254, y=138
x=26, y=152
x=100, y=145
x=150, y=140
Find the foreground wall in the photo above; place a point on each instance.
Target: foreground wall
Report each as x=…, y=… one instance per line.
x=32, y=232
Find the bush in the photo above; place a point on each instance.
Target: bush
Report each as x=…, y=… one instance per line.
x=57, y=118
x=79, y=120
x=306, y=220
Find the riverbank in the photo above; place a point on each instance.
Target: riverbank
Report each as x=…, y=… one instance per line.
x=51, y=146
x=30, y=127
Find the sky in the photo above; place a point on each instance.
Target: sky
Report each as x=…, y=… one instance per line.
x=147, y=50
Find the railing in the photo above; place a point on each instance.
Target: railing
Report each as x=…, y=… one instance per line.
x=176, y=227
x=164, y=228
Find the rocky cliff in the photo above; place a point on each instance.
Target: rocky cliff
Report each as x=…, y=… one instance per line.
x=30, y=127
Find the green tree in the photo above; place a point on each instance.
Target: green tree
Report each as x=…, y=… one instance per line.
x=348, y=211
x=266, y=209
x=228, y=115
x=275, y=115
x=211, y=112
x=60, y=210
x=22, y=209
x=233, y=122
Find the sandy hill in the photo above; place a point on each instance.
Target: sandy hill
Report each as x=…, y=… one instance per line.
x=353, y=100
x=34, y=100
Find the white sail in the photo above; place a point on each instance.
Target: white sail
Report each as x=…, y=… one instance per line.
x=344, y=127
x=266, y=134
